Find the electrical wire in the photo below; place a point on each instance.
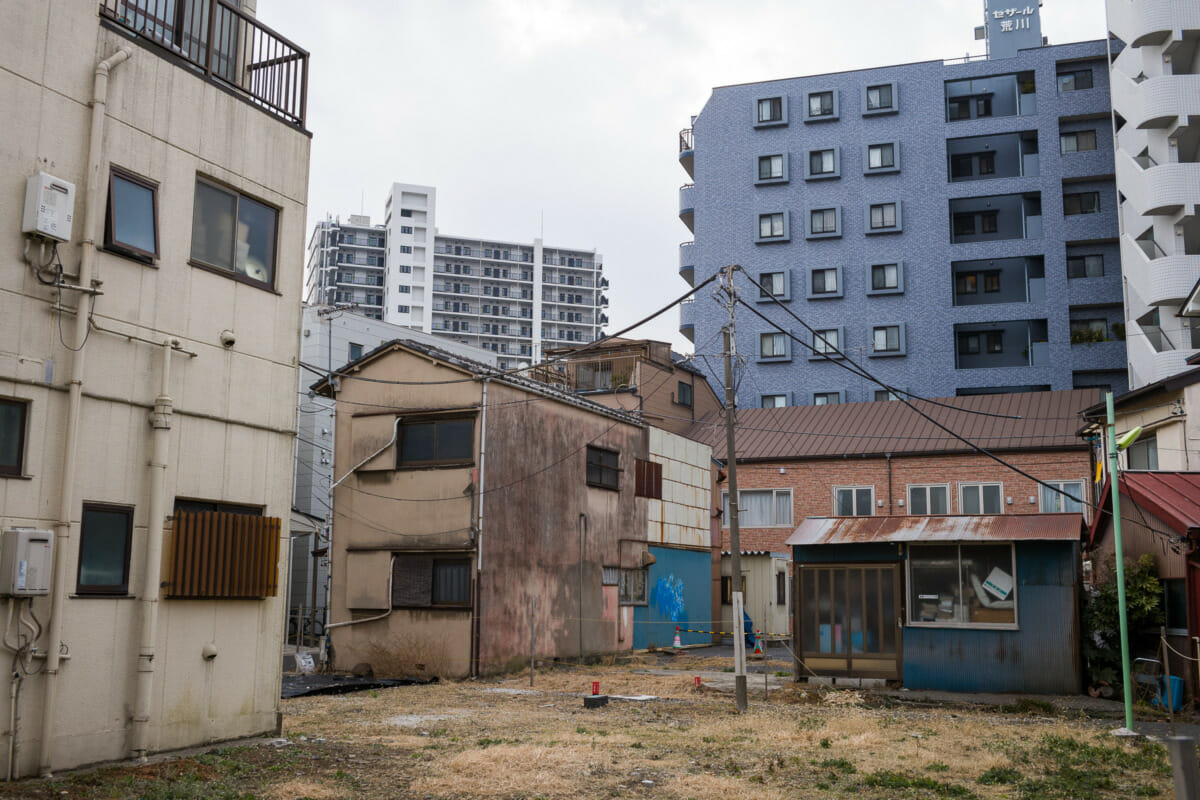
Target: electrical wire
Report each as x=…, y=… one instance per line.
x=902, y=399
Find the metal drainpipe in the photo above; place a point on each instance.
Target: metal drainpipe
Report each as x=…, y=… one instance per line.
x=889, y=460
x=62, y=527
x=582, y=524
x=160, y=422
x=482, y=465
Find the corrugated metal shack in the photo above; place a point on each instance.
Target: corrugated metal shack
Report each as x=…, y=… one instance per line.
x=956, y=603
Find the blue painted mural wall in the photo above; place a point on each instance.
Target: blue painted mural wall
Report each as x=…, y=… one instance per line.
x=1042, y=657
x=678, y=592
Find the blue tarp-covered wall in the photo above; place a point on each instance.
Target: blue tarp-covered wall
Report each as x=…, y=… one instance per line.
x=678, y=593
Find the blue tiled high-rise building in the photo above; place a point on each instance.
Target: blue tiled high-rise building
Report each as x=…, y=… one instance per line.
x=951, y=226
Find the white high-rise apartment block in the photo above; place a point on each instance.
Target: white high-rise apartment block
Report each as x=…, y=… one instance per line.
x=507, y=297
x=1156, y=103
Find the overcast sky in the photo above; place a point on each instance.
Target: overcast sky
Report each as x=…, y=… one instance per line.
x=568, y=111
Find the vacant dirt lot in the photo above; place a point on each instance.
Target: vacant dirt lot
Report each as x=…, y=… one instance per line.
x=499, y=739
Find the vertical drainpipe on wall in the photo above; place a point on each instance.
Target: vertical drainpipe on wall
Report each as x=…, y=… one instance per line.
x=583, y=526
x=889, y=460
x=475, y=636
x=62, y=526
x=160, y=422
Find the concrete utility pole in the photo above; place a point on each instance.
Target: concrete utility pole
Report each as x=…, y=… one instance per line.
x=735, y=547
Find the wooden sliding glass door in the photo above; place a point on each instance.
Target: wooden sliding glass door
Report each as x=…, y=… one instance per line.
x=847, y=619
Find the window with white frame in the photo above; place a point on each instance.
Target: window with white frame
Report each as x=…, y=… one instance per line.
x=1143, y=454
x=773, y=345
x=962, y=585
x=854, y=501
x=933, y=499
x=774, y=400
x=881, y=156
x=770, y=167
x=1054, y=499
x=826, y=341
x=980, y=498
x=824, y=281
x=760, y=508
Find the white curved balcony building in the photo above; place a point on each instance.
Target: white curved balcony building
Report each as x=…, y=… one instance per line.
x=1155, y=83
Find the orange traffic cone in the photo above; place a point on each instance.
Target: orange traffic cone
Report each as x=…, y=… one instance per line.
x=678, y=644
x=758, y=643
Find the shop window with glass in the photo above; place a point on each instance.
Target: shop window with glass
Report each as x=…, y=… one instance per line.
x=980, y=498
x=234, y=234
x=929, y=499
x=962, y=585
x=1055, y=497
x=760, y=508
x=131, y=220
x=105, y=534
x=854, y=501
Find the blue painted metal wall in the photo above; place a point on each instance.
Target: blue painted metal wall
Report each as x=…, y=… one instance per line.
x=679, y=592
x=1042, y=657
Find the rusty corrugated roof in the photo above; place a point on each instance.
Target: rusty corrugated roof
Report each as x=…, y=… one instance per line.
x=955, y=528
x=1045, y=420
x=1173, y=497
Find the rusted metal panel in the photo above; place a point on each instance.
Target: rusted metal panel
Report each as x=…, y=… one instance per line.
x=1025, y=421
x=955, y=528
x=218, y=554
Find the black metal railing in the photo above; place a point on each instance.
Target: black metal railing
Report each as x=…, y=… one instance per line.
x=686, y=142
x=227, y=46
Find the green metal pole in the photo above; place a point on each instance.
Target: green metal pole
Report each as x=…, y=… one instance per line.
x=1114, y=474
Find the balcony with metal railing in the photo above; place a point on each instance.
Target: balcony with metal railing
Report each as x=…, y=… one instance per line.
x=225, y=45
x=687, y=205
x=687, y=319
x=687, y=151
x=687, y=262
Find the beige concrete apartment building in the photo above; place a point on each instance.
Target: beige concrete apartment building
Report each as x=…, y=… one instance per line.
x=147, y=371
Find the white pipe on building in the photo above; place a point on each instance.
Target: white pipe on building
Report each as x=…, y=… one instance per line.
x=160, y=423
x=93, y=213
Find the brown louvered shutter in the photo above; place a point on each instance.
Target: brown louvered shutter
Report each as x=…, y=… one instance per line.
x=648, y=479
x=217, y=554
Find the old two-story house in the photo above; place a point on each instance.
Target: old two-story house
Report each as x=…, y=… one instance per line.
x=482, y=518
x=845, y=476
x=641, y=375
x=1160, y=501
x=154, y=173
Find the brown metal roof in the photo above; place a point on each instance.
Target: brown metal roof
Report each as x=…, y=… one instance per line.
x=997, y=528
x=1044, y=420
x=1173, y=497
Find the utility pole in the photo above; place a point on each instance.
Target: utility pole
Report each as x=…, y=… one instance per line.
x=735, y=545
x=1114, y=482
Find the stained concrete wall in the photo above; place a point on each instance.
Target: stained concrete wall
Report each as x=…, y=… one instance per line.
x=232, y=433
